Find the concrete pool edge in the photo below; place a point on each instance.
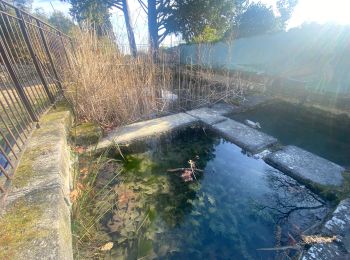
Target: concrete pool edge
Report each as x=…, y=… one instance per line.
x=338, y=225
x=36, y=218
x=294, y=161
x=215, y=120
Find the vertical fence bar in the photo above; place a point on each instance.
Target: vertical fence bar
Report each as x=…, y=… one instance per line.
x=47, y=50
x=64, y=48
x=24, y=31
x=32, y=58
x=18, y=86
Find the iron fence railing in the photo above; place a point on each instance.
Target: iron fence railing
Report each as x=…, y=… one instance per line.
x=33, y=58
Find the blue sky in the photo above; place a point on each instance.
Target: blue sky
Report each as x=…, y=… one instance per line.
x=320, y=11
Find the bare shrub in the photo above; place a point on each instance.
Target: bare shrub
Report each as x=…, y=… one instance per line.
x=111, y=88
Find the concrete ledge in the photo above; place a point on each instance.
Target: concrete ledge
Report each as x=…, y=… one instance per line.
x=338, y=225
x=35, y=222
x=212, y=115
x=244, y=136
x=306, y=167
x=145, y=129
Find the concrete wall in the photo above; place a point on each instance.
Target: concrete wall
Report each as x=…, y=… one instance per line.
x=35, y=216
x=318, y=57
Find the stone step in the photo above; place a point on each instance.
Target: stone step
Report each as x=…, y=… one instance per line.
x=145, y=129
x=244, y=136
x=212, y=115
x=306, y=167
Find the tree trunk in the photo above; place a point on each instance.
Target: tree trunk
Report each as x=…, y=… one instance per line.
x=129, y=29
x=153, y=28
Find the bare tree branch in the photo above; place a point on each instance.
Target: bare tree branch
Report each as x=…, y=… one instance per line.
x=143, y=6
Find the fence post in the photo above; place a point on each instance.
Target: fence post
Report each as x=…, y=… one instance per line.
x=32, y=54
x=49, y=55
x=18, y=86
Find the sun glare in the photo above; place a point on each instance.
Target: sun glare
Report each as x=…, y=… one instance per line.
x=321, y=11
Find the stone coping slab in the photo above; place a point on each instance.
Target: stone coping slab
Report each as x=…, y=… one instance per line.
x=212, y=115
x=244, y=136
x=306, y=167
x=35, y=216
x=145, y=129
x=338, y=225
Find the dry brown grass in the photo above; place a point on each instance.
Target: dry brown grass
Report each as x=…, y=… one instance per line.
x=111, y=88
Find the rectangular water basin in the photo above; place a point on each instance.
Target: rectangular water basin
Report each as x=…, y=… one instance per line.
x=232, y=208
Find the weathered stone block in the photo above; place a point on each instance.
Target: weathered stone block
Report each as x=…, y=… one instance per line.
x=207, y=115
x=244, y=136
x=306, y=167
x=338, y=225
x=35, y=221
x=145, y=129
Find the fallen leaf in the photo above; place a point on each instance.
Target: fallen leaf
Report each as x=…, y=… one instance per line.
x=106, y=247
x=80, y=149
x=80, y=186
x=318, y=239
x=74, y=195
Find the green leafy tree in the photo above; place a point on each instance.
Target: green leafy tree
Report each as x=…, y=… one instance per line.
x=285, y=8
x=92, y=13
x=257, y=19
x=206, y=20
x=207, y=35
x=195, y=20
x=61, y=22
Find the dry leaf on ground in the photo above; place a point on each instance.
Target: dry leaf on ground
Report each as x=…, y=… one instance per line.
x=318, y=239
x=106, y=247
x=79, y=149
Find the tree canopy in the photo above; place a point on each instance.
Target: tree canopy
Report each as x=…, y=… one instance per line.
x=61, y=22
x=212, y=20
x=256, y=19
x=196, y=20
x=96, y=12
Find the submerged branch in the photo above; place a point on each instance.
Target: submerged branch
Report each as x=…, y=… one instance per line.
x=183, y=169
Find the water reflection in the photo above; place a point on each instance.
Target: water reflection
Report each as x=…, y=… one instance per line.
x=310, y=129
x=231, y=210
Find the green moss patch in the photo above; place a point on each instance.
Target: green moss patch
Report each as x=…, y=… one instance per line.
x=86, y=133
x=332, y=193
x=25, y=170
x=51, y=128
x=17, y=226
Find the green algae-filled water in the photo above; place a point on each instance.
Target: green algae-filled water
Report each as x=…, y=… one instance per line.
x=236, y=206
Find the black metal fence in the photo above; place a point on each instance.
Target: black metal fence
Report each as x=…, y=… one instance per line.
x=33, y=58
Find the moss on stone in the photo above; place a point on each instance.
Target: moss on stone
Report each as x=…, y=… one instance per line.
x=25, y=170
x=51, y=124
x=17, y=226
x=86, y=133
x=332, y=193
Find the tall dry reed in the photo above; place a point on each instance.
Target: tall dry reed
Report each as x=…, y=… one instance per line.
x=111, y=88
